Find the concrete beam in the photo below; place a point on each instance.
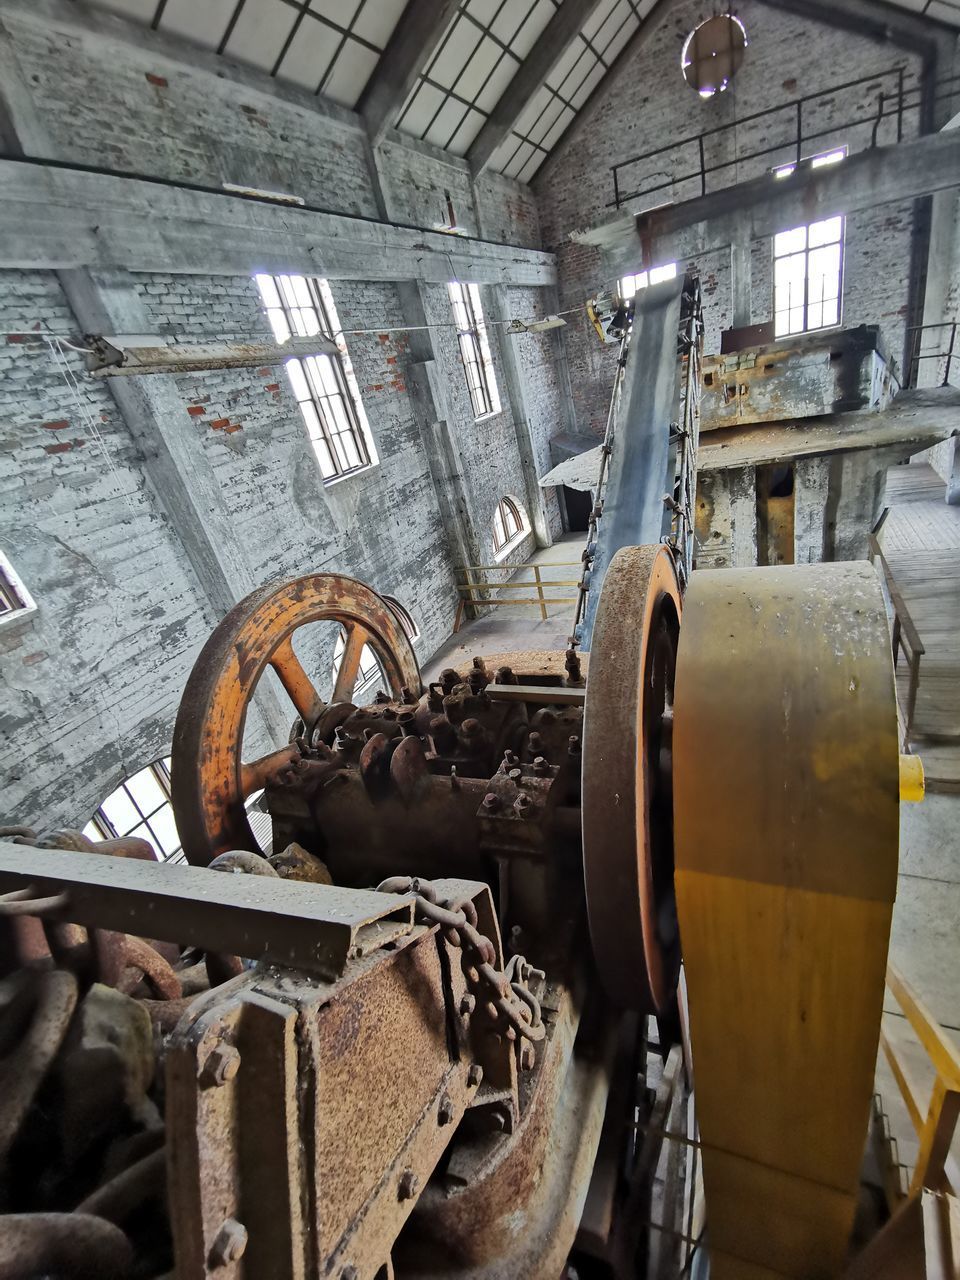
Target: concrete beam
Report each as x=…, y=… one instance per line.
x=420, y=29
x=58, y=216
x=552, y=44
x=766, y=205
x=875, y=19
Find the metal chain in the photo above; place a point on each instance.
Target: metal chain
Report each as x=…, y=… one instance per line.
x=505, y=995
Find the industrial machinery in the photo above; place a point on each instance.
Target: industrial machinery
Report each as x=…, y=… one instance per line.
x=410, y=1038
x=417, y=1045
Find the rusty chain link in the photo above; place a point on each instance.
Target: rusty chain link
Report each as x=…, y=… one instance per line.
x=505, y=995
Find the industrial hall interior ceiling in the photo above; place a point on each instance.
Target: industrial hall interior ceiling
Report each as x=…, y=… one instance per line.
x=480, y=640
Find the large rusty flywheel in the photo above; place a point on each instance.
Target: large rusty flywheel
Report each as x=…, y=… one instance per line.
x=210, y=782
x=627, y=780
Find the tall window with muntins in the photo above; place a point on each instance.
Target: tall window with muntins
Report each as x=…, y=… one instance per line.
x=475, y=349
x=509, y=525
x=370, y=676
x=325, y=386
x=807, y=277
x=629, y=285
x=140, y=807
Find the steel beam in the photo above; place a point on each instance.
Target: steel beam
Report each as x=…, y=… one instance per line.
x=307, y=926
x=553, y=42
x=765, y=205
x=420, y=29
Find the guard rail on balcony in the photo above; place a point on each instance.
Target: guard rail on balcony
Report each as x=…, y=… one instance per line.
x=806, y=121
x=936, y=1123
x=904, y=633
x=475, y=588
x=945, y=341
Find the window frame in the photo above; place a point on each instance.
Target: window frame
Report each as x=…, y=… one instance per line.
x=805, y=253
x=474, y=345
x=508, y=506
x=632, y=283
x=410, y=628
x=367, y=681
x=102, y=824
x=324, y=434
x=16, y=602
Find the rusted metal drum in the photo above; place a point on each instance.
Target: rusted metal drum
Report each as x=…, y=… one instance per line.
x=209, y=782
x=786, y=782
x=627, y=800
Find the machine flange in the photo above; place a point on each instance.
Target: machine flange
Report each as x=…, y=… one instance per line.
x=209, y=780
x=627, y=784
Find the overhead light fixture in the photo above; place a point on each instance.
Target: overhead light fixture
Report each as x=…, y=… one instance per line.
x=536, y=326
x=115, y=357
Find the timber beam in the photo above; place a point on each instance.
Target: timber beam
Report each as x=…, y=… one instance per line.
x=55, y=216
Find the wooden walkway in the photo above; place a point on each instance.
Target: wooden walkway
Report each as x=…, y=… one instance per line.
x=921, y=543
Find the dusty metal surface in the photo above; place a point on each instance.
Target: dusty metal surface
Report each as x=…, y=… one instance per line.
x=310, y=926
x=627, y=781
x=209, y=780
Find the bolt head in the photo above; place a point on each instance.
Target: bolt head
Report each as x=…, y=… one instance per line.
x=220, y=1066
x=229, y=1244
x=528, y=1057
x=408, y=1185
x=474, y=1075
x=491, y=802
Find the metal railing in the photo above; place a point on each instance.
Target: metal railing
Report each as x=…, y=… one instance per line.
x=904, y=633
x=895, y=100
x=936, y=1123
x=916, y=352
x=475, y=589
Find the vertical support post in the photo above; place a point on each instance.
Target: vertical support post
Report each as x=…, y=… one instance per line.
x=616, y=185
x=950, y=346
x=543, y=607
x=900, y=104
x=799, y=129
x=912, y=694
x=936, y=1137
x=703, y=168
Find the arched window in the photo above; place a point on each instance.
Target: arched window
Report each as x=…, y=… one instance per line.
x=509, y=524
x=406, y=621
x=141, y=807
x=370, y=677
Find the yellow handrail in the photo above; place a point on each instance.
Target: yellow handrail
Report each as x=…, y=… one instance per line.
x=935, y=1128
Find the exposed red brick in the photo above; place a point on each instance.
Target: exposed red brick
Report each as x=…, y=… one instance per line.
x=272, y=386
x=196, y=410
x=219, y=423
x=61, y=447
x=31, y=659
x=18, y=337
x=399, y=384
x=375, y=386
x=384, y=337
x=391, y=359
x=234, y=426
x=55, y=426
x=265, y=373
x=159, y=81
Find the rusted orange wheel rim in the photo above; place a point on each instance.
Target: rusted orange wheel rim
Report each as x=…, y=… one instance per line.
x=627, y=780
x=209, y=781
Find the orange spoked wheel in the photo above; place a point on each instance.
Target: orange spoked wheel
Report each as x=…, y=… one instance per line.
x=210, y=782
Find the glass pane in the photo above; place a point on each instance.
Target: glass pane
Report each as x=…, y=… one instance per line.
x=353, y=454
x=298, y=380
x=308, y=409
x=92, y=831
x=146, y=791
x=268, y=291
x=301, y=291
x=790, y=241
x=824, y=271
x=278, y=323
x=815, y=315
x=827, y=232
x=667, y=272
x=796, y=320
x=143, y=832
x=325, y=368
x=327, y=469
x=287, y=290
x=831, y=311
x=309, y=322
x=119, y=809
x=339, y=453
x=165, y=830
x=781, y=324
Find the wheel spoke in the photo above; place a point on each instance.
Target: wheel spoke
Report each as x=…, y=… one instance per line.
x=257, y=774
x=357, y=637
x=297, y=683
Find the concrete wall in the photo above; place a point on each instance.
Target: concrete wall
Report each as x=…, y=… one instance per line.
x=645, y=104
x=93, y=680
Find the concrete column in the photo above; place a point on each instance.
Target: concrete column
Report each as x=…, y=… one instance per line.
x=518, y=395
x=741, y=270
